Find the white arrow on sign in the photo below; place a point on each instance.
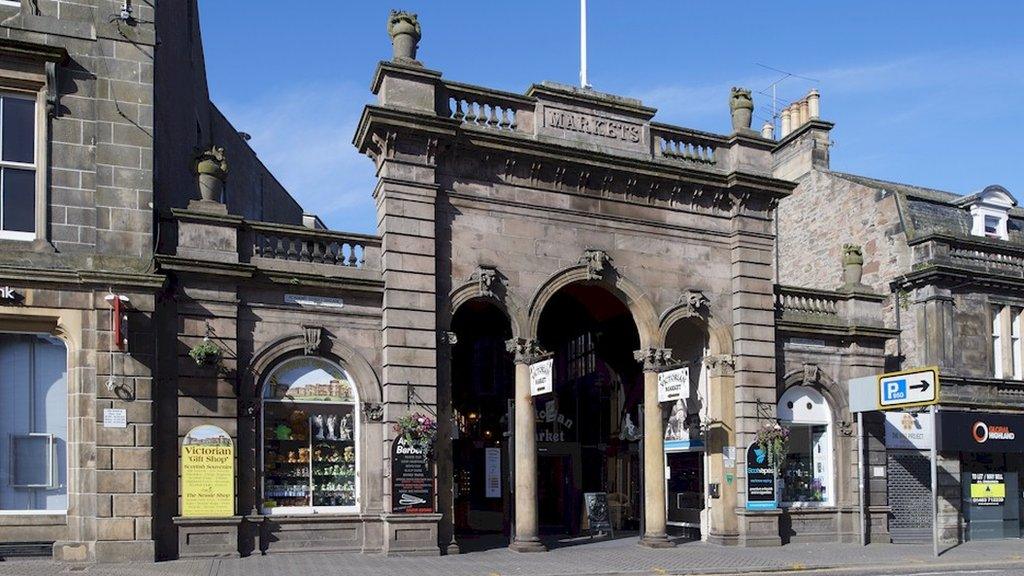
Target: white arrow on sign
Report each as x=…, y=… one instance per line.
x=919, y=387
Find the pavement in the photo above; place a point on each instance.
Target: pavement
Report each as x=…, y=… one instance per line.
x=599, y=558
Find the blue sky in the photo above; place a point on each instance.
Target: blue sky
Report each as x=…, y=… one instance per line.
x=928, y=93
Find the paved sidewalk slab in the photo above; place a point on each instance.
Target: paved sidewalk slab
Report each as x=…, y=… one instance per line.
x=599, y=558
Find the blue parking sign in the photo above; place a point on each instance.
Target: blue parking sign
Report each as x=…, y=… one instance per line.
x=895, y=389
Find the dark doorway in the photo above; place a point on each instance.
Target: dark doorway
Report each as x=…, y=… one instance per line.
x=587, y=428
x=482, y=386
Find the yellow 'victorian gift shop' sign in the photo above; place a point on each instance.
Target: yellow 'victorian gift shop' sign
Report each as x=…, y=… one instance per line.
x=207, y=473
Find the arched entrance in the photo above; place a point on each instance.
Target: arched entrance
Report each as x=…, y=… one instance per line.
x=482, y=384
x=685, y=438
x=588, y=427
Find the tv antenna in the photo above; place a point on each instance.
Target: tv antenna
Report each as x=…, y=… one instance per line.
x=774, y=89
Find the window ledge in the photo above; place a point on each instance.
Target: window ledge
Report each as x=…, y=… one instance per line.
x=39, y=246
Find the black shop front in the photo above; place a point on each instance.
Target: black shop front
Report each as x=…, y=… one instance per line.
x=991, y=453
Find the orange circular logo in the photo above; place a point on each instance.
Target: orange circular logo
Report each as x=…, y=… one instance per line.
x=980, y=432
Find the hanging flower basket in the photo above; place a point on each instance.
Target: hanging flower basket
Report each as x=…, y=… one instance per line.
x=206, y=353
x=773, y=438
x=418, y=431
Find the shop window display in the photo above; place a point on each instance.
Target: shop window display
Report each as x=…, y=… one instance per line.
x=310, y=428
x=806, y=477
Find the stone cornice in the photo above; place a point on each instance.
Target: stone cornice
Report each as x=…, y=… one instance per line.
x=183, y=215
x=977, y=242
x=812, y=124
x=205, y=267
x=30, y=50
x=375, y=117
x=836, y=329
x=934, y=273
x=398, y=69
x=85, y=278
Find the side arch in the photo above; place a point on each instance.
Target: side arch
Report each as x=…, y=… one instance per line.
x=368, y=385
x=812, y=376
x=639, y=305
x=719, y=333
x=504, y=301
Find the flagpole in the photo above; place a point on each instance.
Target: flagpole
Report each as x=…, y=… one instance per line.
x=583, y=45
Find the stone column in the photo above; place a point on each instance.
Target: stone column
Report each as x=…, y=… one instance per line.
x=654, y=360
x=524, y=538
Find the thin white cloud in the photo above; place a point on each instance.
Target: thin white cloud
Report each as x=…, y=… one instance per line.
x=918, y=81
x=303, y=133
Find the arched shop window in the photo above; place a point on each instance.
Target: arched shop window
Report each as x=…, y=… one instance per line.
x=806, y=477
x=310, y=432
x=33, y=423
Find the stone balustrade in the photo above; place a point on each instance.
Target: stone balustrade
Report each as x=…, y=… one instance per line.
x=687, y=145
x=806, y=301
x=302, y=244
x=488, y=108
x=981, y=255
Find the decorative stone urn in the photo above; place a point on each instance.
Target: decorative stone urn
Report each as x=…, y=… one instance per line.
x=404, y=29
x=853, y=265
x=741, y=104
x=212, y=167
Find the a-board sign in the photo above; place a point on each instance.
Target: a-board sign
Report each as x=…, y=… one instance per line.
x=412, y=483
x=597, y=511
x=207, y=473
x=918, y=387
x=760, y=480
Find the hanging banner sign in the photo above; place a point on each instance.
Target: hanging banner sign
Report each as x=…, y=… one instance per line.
x=412, y=483
x=207, y=473
x=542, y=377
x=492, y=472
x=673, y=384
x=760, y=480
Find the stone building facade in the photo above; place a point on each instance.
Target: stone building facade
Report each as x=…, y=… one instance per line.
x=950, y=270
x=561, y=229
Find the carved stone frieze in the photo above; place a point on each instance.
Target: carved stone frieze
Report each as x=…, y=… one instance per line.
x=597, y=263
x=487, y=280
x=374, y=411
x=812, y=374
x=720, y=364
x=655, y=359
x=525, y=350
x=312, y=337
x=694, y=303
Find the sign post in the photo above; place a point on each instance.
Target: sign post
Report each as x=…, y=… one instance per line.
x=909, y=388
x=935, y=484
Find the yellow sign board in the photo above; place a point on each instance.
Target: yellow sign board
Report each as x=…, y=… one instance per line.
x=988, y=490
x=207, y=473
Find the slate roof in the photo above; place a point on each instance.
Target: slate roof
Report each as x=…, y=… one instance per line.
x=929, y=211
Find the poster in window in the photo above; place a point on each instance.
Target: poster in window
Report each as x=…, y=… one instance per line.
x=492, y=472
x=207, y=473
x=988, y=489
x=760, y=480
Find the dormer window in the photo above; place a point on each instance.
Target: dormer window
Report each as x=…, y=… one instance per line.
x=990, y=210
x=992, y=225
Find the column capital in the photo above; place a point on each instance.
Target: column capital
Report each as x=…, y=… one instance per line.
x=655, y=359
x=525, y=350
x=720, y=364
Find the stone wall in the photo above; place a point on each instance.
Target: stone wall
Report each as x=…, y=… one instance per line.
x=826, y=211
